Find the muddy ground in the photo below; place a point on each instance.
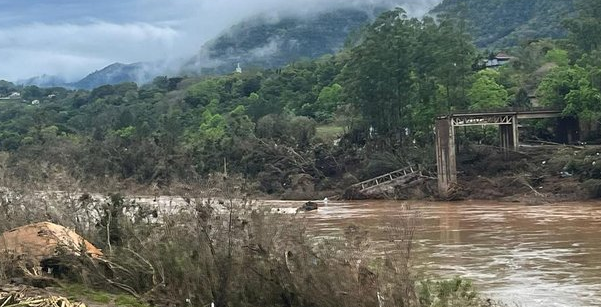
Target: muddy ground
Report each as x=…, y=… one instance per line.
x=536, y=173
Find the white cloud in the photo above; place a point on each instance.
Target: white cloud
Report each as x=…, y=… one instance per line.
x=71, y=38
x=71, y=50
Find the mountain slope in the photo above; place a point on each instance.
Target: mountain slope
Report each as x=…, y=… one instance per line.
x=269, y=42
x=502, y=23
x=117, y=73
x=43, y=81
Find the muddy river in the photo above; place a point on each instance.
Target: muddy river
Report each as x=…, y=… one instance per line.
x=548, y=255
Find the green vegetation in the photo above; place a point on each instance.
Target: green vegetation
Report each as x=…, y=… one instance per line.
x=86, y=294
x=329, y=132
x=259, y=123
x=486, y=93
x=363, y=111
x=575, y=85
x=295, y=131
x=269, y=42
x=422, y=71
x=503, y=23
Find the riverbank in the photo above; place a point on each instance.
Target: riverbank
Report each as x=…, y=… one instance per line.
x=518, y=254
x=536, y=174
x=208, y=250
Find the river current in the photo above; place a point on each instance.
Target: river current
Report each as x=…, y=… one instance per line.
x=522, y=255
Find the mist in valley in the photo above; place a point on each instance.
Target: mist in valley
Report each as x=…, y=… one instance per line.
x=71, y=39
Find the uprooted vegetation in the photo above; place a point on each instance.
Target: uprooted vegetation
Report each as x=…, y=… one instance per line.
x=228, y=251
x=536, y=173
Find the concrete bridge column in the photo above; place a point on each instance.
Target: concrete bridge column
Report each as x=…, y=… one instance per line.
x=445, y=155
x=509, y=135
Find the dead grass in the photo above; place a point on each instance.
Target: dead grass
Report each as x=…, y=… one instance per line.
x=217, y=247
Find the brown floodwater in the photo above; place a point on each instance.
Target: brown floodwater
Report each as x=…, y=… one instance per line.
x=547, y=255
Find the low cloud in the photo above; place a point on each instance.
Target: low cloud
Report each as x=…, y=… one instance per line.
x=70, y=50
x=86, y=36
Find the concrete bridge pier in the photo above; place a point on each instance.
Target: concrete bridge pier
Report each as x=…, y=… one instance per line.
x=509, y=135
x=446, y=162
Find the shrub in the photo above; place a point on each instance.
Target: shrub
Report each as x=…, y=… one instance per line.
x=593, y=187
x=229, y=251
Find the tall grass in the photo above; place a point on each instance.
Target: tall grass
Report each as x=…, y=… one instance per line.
x=219, y=247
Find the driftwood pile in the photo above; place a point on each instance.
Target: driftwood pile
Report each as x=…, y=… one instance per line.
x=21, y=299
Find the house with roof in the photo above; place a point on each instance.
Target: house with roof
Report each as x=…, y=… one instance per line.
x=13, y=95
x=499, y=59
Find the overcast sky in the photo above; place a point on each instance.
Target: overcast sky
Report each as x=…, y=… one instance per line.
x=72, y=38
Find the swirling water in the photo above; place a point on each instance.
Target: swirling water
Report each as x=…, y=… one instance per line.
x=531, y=256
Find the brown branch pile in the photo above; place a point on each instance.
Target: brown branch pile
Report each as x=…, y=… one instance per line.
x=18, y=299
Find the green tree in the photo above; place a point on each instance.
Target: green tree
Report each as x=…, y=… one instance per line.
x=407, y=71
x=486, y=93
x=378, y=74
x=328, y=100
x=570, y=89
x=31, y=92
x=557, y=56
x=559, y=83
x=521, y=99
x=585, y=30
x=202, y=93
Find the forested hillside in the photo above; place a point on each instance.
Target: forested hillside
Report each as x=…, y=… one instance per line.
x=263, y=41
x=117, y=73
x=309, y=126
x=275, y=126
x=503, y=23
x=267, y=41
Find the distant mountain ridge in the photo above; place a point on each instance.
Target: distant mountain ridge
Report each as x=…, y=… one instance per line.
x=43, y=81
x=502, y=23
x=112, y=74
x=262, y=41
x=268, y=41
x=117, y=73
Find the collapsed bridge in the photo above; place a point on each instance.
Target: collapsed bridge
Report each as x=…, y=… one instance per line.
x=509, y=136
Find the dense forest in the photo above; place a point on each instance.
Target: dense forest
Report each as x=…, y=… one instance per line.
x=314, y=125
x=504, y=23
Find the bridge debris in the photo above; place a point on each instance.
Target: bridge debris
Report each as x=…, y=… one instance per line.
x=14, y=299
x=385, y=184
x=308, y=206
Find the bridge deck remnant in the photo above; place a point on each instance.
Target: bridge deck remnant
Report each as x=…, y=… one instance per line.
x=445, y=137
x=401, y=178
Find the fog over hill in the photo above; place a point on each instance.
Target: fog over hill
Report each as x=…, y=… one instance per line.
x=71, y=38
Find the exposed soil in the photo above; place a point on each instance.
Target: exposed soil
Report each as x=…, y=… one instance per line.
x=536, y=174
